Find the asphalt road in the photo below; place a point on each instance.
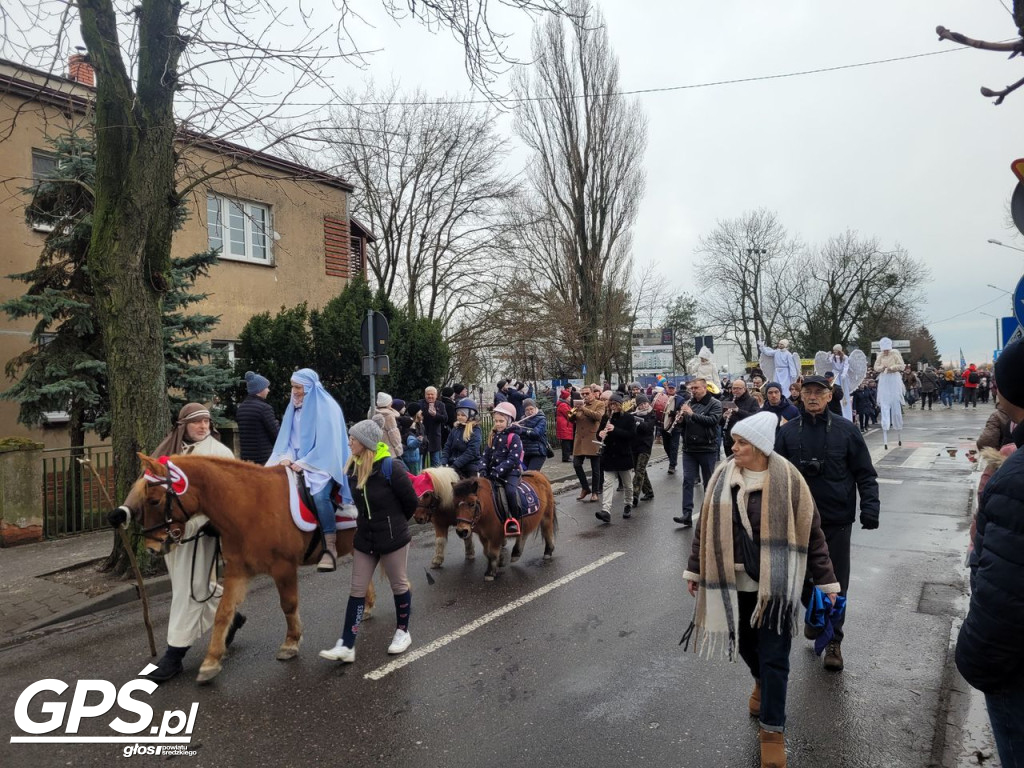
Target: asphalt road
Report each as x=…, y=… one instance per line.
x=568, y=663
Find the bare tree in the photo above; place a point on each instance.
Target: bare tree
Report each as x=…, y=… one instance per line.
x=162, y=65
x=586, y=174
x=841, y=286
x=1012, y=47
x=431, y=186
x=745, y=277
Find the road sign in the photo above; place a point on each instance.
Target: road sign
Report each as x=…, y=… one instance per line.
x=376, y=366
x=1018, y=301
x=379, y=332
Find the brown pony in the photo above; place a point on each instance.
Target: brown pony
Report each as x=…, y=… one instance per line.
x=474, y=511
x=436, y=507
x=249, y=506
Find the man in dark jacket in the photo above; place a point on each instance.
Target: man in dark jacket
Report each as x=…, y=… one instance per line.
x=700, y=419
x=435, y=419
x=643, y=444
x=618, y=429
x=257, y=424
x=745, y=405
x=832, y=456
x=835, y=404
x=988, y=649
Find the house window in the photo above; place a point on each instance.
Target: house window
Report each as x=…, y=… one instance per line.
x=356, y=255
x=225, y=349
x=238, y=229
x=43, y=165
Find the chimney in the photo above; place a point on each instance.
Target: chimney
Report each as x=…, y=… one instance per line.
x=80, y=70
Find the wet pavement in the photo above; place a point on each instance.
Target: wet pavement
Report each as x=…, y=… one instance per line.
x=568, y=663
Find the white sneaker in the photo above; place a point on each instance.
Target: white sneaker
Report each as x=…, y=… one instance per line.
x=401, y=642
x=339, y=653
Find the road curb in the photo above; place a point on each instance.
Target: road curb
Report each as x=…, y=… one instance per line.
x=126, y=593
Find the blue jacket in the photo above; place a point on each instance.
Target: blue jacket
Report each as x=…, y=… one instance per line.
x=461, y=455
x=533, y=432
x=988, y=647
x=413, y=444
x=503, y=457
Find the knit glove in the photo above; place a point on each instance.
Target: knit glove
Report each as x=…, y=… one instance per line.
x=867, y=522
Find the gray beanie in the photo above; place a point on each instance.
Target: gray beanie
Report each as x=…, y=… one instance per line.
x=369, y=434
x=529, y=403
x=254, y=383
x=758, y=430
x=383, y=400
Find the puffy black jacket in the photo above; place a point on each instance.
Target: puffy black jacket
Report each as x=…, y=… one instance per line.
x=836, y=463
x=836, y=403
x=646, y=427
x=257, y=429
x=382, y=525
x=700, y=430
x=533, y=433
x=618, y=444
x=504, y=456
x=463, y=455
x=988, y=649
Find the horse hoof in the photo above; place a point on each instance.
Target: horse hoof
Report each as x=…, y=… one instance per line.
x=286, y=652
x=471, y=555
x=514, y=558
x=488, y=578
x=206, y=674
x=549, y=555
x=436, y=564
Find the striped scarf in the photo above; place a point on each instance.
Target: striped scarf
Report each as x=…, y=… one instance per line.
x=787, y=512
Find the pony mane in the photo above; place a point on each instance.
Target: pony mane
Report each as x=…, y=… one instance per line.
x=444, y=479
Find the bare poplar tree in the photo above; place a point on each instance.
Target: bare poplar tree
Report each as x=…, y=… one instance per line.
x=430, y=184
x=746, y=286
x=587, y=144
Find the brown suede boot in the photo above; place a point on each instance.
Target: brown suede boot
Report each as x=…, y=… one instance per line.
x=329, y=559
x=754, y=705
x=773, y=749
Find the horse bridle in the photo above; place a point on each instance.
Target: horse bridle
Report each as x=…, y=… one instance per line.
x=476, y=515
x=431, y=507
x=171, y=498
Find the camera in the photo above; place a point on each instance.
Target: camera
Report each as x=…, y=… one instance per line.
x=811, y=467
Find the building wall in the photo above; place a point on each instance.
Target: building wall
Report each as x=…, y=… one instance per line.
x=299, y=271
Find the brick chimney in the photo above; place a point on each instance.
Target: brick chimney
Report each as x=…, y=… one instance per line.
x=81, y=70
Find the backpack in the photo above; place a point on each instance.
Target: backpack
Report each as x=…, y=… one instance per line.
x=973, y=377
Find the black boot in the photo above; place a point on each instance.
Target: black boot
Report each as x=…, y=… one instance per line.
x=169, y=666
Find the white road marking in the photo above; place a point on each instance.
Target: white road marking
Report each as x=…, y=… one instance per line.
x=889, y=481
x=465, y=629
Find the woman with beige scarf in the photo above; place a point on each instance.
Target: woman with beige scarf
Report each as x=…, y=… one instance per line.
x=758, y=537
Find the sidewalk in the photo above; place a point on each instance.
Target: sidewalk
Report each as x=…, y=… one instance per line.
x=32, y=600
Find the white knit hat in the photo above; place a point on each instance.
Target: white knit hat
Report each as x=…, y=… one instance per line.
x=383, y=400
x=759, y=431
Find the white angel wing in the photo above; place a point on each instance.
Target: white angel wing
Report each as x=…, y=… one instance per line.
x=767, y=366
x=858, y=368
x=822, y=363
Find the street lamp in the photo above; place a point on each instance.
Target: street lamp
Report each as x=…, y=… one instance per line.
x=1004, y=245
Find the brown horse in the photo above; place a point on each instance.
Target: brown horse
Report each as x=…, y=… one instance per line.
x=474, y=511
x=436, y=507
x=249, y=506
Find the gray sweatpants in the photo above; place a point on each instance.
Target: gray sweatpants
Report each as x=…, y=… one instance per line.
x=395, y=565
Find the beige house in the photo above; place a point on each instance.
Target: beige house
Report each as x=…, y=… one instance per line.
x=283, y=229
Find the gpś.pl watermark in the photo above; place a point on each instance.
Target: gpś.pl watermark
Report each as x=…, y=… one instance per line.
x=136, y=726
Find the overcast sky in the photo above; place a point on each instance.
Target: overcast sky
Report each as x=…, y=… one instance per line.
x=908, y=152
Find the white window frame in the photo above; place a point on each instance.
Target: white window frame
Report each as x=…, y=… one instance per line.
x=42, y=154
x=226, y=345
x=248, y=207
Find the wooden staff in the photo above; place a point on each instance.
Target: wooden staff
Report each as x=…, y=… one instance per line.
x=131, y=559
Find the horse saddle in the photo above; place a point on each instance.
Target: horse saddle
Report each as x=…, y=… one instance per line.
x=303, y=507
x=529, y=502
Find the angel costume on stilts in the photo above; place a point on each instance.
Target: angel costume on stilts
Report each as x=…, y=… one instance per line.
x=703, y=366
x=779, y=364
x=889, y=367
x=849, y=371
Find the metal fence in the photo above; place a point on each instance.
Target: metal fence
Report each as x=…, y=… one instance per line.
x=486, y=422
x=73, y=498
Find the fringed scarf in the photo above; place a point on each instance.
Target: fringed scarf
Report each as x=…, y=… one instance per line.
x=787, y=512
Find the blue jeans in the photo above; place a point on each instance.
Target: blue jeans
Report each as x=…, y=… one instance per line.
x=1006, y=713
x=947, y=397
x=325, y=509
x=766, y=653
x=435, y=459
x=692, y=464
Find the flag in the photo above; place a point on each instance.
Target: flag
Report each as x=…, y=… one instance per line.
x=963, y=362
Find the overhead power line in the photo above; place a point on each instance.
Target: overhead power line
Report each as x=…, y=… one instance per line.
x=640, y=91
